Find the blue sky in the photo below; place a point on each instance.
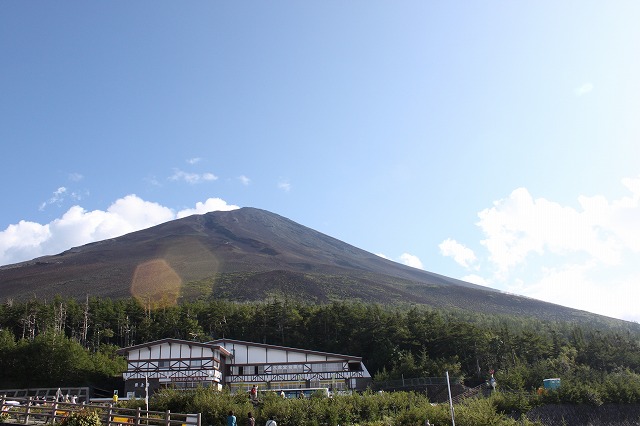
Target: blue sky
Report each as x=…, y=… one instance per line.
x=496, y=142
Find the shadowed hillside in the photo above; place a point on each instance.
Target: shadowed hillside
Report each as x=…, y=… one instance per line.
x=249, y=254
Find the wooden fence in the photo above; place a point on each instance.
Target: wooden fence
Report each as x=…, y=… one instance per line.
x=33, y=411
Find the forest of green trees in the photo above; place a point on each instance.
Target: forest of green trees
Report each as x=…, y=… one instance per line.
x=67, y=342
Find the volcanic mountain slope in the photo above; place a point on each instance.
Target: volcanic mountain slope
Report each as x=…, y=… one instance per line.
x=249, y=254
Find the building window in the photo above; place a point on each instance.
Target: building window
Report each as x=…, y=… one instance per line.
x=288, y=368
x=327, y=367
x=355, y=366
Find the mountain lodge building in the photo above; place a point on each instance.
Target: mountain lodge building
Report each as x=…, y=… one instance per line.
x=238, y=365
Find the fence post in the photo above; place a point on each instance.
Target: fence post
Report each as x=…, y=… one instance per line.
x=167, y=418
x=27, y=410
x=54, y=408
x=199, y=419
x=137, y=421
x=109, y=414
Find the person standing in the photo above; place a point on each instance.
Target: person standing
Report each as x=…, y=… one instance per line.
x=271, y=422
x=250, y=420
x=231, y=419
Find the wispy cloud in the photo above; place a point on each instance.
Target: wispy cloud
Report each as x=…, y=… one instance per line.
x=284, y=185
x=584, y=89
x=152, y=180
x=582, y=257
x=244, y=180
x=75, y=177
x=194, y=160
x=77, y=226
x=56, y=198
x=192, y=178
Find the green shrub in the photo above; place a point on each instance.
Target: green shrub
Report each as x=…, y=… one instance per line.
x=480, y=412
x=82, y=418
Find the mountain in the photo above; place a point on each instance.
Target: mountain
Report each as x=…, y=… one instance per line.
x=250, y=254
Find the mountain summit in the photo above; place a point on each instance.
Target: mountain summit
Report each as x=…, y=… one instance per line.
x=248, y=254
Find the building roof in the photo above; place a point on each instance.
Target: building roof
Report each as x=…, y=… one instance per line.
x=285, y=348
x=210, y=345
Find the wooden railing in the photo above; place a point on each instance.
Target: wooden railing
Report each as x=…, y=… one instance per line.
x=409, y=383
x=469, y=393
x=32, y=411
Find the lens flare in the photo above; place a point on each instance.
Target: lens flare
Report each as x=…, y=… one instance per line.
x=155, y=284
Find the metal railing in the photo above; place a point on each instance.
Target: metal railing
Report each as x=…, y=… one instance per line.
x=32, y=411
x=81, y=393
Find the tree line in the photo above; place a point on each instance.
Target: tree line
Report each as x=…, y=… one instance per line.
x=67, y=340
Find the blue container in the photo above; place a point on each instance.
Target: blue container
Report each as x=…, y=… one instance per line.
x=551, y=384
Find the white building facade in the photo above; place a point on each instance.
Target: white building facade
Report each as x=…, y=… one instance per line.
x=279, y=367
x=172, y=363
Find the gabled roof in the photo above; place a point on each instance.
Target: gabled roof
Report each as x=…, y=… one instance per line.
x=210, y=345
x=285, y=348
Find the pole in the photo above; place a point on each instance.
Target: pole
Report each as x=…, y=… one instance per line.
x=146, y=392
x=453, y=420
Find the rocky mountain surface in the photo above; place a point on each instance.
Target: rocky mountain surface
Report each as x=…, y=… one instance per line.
x=250, y=254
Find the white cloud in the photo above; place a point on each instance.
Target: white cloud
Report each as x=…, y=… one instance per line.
x=411, y=260
x=208, y=176
x=583, y=257
x=576, y=285
x=194, y=160
x=192, y=178
x=463, y=255
x=584, y=89
x=519, y=226
x=245, y=180
x=406, y=259
x=28, y=240
x=284, y=185
x=22, y=241
x=211, y=205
